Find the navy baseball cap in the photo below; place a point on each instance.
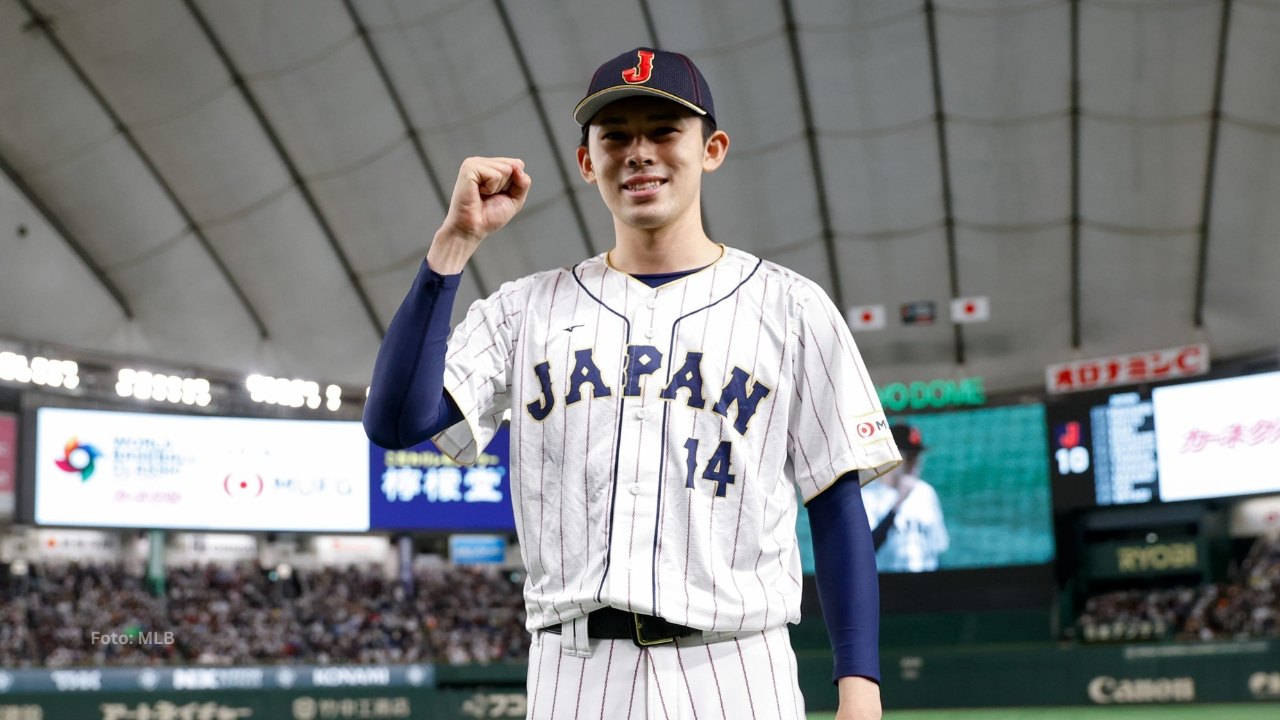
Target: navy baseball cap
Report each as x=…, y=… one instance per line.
x=645, y=71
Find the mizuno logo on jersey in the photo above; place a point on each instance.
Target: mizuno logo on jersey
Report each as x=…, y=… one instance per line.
x=738, y=394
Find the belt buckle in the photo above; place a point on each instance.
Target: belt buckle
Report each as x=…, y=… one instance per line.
x=638, y=636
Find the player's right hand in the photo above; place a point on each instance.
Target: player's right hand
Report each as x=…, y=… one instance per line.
x=488, y=193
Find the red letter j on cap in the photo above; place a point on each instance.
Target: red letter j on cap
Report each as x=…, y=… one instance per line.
x=639, y=74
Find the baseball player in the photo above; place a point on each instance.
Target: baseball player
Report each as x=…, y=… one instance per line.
x=909, y=531
x=666, y=399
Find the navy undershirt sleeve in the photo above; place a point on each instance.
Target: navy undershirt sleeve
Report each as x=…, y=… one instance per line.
x=845, y=564
x=407, y=403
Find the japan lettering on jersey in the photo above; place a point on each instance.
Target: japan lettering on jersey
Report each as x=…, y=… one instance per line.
x=658, y=435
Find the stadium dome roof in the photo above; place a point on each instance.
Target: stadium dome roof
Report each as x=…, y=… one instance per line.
x=251, y=185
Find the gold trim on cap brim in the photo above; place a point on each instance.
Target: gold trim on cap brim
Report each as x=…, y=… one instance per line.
x=625, y=91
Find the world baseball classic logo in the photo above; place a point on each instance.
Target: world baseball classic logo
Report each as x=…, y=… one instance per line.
x=78, y=458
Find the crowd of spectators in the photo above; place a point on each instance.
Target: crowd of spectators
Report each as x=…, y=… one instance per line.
x=76, y=615
x=1247, y=607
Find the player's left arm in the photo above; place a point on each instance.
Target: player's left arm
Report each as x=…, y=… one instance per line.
x=849, y=591
x=840, y=439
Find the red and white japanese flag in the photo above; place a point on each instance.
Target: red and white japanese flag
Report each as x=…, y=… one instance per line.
x=971, y=309
x=866, y=317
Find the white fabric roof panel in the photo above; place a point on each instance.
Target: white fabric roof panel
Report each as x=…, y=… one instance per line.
x=301, y=291
x=1148, y=59
x=118, y=43
x=865, y=77
x=273, y=230
x=320, y=92
x=1241, y=290
x=1250, y=91
x=1147, y=75
x=81, y=304
x=43, y=109
x=219, y=159
x=1146, y=90
x=1026, y=275
x=1012, y=176
x=884, y=183
x=1006, y=95
x=1137, y=291
x=109, y=202
x=1008, y=62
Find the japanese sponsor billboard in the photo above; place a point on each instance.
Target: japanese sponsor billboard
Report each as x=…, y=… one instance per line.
x=1218, y=438
x=112, y=469
x=1117, y=370
x=422, y=489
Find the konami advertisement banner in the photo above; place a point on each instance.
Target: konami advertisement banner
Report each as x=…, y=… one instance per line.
x=97, y=468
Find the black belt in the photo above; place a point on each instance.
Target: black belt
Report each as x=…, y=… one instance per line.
x=644, y=630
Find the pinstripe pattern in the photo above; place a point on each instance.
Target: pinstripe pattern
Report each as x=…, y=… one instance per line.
x=587, y=503
x=604, y=512
x=749, y=678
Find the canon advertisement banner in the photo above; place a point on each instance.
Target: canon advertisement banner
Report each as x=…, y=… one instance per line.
x=1218, y=438
x=422, y=489
x=8, y=462
x=111, y=469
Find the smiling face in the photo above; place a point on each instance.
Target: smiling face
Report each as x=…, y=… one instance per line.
x=647, y=155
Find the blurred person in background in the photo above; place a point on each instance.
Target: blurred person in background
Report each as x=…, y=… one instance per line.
x=908, y=529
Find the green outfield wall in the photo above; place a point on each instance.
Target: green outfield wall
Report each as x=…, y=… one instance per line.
x=953, y=676
x=1166, y=673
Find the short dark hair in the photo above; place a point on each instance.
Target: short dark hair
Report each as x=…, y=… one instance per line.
x=708, y=129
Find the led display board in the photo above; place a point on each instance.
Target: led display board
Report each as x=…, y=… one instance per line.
x=96, y=468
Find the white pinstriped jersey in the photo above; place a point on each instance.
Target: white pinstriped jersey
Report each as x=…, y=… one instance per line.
x=658, y=435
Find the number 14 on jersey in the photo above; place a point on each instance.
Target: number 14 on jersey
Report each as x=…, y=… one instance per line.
x=716, y=469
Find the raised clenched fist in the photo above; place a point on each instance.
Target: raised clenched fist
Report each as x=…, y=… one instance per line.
x=488, y=193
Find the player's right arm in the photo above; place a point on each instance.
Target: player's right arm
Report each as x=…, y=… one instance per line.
x=407, y=403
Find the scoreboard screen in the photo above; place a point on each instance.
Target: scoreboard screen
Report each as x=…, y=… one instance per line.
x=1217, y=438
x=986, y=467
